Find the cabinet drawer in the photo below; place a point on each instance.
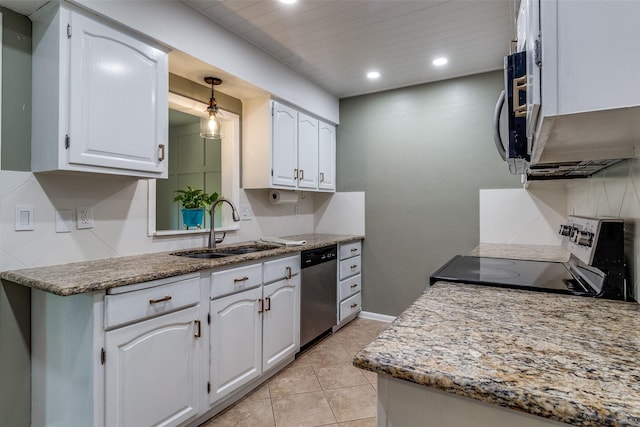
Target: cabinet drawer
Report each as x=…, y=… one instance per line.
x=350, y=286
x=227, y=282
x=349, y=267
x=137, y=305
x=348, y=250
x=350, y=306
x=281, y=268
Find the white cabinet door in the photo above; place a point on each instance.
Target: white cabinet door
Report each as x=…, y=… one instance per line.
x=284, y=145
x=100, y=97
x=307, y=152
x=151, y=371
x=326, y=157
x=236, y=341
x=281, y=321
x=118, y=107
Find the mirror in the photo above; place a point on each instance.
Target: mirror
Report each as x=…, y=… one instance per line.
x=209, y=164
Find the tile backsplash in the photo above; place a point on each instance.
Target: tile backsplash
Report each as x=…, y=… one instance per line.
x=120, y=216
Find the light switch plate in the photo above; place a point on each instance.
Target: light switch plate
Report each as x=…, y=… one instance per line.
x=64, y=221
x=246, y=213
x=23, y=218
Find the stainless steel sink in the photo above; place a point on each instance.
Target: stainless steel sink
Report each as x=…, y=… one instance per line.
x=223, y=252
x=202, y=255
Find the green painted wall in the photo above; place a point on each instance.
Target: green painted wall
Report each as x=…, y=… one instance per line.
x=15, y=322
x=16, y=91
x=421, y=154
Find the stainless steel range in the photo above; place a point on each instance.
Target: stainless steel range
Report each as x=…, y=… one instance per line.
x=596, y=267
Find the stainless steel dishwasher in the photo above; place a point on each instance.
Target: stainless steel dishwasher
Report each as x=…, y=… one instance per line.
x=318, y=297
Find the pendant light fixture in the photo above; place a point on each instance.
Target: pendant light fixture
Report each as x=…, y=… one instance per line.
x=211, y=127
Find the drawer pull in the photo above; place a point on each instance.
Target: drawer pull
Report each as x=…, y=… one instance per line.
x=288, y=276
x=355, y=285
x=354, y=305
x=198, y=333
x=261, y=306
x=354, y=266
x=242, y=279
x=267, y=300
x=159, y=300
x=354, y=250
x=321, y=177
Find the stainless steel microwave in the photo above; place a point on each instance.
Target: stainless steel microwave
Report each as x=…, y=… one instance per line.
x=514, y=149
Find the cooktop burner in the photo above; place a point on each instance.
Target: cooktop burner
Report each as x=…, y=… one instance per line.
x=520, y=274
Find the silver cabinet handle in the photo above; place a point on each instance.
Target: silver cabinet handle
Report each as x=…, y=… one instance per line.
x=321, y=176
x=301, y=174
x=355, y=285
x=198, y=333
x=161, y=157
x=267, y=301
x=295, y=174
x=159, y=300
x=288, y=276
x=354, y=305
x=241, y=279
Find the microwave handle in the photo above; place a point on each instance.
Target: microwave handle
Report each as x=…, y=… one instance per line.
x=496, y=127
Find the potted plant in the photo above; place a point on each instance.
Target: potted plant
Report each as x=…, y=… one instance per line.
x=194, y=202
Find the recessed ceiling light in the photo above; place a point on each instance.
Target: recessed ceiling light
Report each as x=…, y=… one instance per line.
x=373, y=75
x=440, y=61
x=288, y=1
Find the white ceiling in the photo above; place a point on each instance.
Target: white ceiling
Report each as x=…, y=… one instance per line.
x=334, y=43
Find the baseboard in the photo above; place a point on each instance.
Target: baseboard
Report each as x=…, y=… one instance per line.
x=376, y=316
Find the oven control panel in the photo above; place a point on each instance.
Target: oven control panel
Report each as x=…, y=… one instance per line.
x=581, y=235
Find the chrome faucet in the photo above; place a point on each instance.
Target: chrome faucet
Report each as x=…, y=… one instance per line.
x=236, y=218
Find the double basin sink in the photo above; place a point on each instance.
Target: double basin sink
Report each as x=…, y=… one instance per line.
x=224, y=252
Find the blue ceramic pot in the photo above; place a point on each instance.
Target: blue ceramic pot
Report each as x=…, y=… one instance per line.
x=193, y=218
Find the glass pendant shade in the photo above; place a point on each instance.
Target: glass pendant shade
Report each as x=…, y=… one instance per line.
x=211, y=127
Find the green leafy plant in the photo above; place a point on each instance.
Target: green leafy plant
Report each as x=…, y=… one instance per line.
x=194, y=198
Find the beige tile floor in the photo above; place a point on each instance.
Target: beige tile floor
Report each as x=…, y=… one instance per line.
x=320, y=388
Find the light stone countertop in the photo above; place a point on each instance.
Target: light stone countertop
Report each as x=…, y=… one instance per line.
x=99, y=275
x=567, y=358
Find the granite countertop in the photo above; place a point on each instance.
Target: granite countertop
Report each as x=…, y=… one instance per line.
x=99, y=275
x=571, y=359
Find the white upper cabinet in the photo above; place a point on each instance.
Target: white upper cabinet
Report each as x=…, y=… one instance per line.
x=581, y=78
x=327, y=157
x=284, y=145
x=99, y=97
x=307, y=152
x=285, y=148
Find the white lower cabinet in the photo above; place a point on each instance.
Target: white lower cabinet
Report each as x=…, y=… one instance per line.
x=254, y=330
x=281, y=321
x=349, y=281
x=236, y=341
x=151, y=371
x=145, y=354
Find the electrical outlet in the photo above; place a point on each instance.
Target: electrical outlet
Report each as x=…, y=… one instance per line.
x=84, y=217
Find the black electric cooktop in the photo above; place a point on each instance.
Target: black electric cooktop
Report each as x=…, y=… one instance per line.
x=539, y=276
